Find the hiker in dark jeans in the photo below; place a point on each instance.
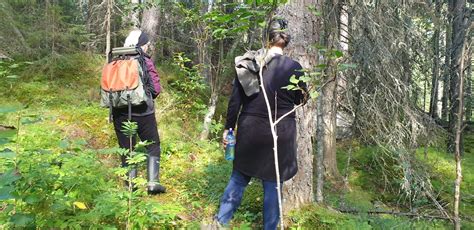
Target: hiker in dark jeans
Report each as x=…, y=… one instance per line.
x=144, y=116
x=254, y=156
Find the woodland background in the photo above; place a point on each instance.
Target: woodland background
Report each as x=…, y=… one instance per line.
x=386, y=142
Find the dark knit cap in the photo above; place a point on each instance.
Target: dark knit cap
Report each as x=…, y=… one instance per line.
x=143, y=39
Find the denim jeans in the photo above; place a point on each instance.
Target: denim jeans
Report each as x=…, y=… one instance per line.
x=233, y=196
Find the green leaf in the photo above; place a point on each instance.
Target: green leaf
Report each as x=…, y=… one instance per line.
x=294, y=80
x=129, y=128
x=8, y=178
x=313, y=94
x=288, y=87
x=9, y=133
x=12, y=76
x=6, y=193
x=321, y=66
x=64, y=144
x=115, y=150
x=14, y=66
x=345, y=66
x=140, y=146
x=8, y=109
x=22, y=219
x=4, y=141
x=31, y=119
x=338, y=53
x=32, y=199
x=305, y=78
x=136, y=159
x=7, y=153
x=314, y=74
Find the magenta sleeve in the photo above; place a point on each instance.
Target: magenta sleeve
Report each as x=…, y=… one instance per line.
x=155, y=78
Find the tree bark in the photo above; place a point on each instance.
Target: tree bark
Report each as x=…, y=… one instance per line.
x=150, y=24
x=458, y=140
x=331, y=11
x=133, y=18
x=434, y=81
x=319, y=156
x=458, y=39
x=447, y=64
x=204, y=47
x=303, y=26
x=108, y=16
x=468, y=76
x=209, y=115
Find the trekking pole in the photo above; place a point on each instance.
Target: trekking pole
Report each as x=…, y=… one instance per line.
x=110, y=105
x=130, y=120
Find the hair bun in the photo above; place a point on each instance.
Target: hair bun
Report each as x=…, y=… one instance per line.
x=278, y=32
x=278, y=24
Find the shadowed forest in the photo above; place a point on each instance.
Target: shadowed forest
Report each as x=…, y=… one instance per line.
x=385, y=140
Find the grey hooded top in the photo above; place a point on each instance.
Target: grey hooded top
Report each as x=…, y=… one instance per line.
x=247, y=68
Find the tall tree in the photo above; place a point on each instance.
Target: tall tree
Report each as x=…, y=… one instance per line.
x=447, y=62
x=436, y=59
x=108, y=18
x=133, y=18
x=304, y=30
x=459, y=27
x=331, y=13
x=150, y=24
x=468, y=76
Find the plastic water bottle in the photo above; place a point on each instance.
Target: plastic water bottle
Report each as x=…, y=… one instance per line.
x=230, y=148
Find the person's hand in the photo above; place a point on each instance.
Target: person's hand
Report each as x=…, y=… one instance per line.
x=224, y=139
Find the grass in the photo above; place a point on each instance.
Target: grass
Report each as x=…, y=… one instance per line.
x=60, y=115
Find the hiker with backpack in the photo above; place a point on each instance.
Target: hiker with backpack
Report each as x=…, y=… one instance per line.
x=130, y=83
x=254, y=156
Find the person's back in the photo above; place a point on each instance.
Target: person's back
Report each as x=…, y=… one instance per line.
x=144, y=116
x=254, y=149
x=276, y=75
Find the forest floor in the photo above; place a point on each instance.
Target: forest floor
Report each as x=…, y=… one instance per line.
x=58, y=114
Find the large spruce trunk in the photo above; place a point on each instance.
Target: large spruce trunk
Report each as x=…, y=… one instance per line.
x=304, y=30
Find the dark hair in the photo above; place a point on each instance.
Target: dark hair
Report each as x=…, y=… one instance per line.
x=277, y=33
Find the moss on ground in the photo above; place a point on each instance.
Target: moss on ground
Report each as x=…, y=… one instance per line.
x=62, y=112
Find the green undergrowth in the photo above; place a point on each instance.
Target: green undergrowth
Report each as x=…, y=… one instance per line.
x=62, y=169
x=318, y=217
x=371, y=187
x=59, y=164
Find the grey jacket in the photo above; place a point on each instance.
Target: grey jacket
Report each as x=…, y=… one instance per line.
x=247, y=67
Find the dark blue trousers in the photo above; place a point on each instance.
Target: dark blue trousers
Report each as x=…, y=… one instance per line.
x=233, y=196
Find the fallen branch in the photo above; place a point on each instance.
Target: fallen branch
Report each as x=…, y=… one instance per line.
x=397, y=214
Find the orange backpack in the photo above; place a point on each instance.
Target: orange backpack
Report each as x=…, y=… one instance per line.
x=122, y=79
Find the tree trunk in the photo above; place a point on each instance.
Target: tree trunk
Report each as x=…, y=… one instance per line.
x=108, y=16
x=458, y=39
x=10, y=21
x=447, y=64
x=468, y=76
x=150, y=24
x=459, y=129
x=434, y=80
x=319, y=156
x=331, y=11
x=133, y=18
x=303, y=26
x=209, y=115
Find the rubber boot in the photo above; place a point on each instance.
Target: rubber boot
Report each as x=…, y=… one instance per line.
x=154, y=186
x=132, y=174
